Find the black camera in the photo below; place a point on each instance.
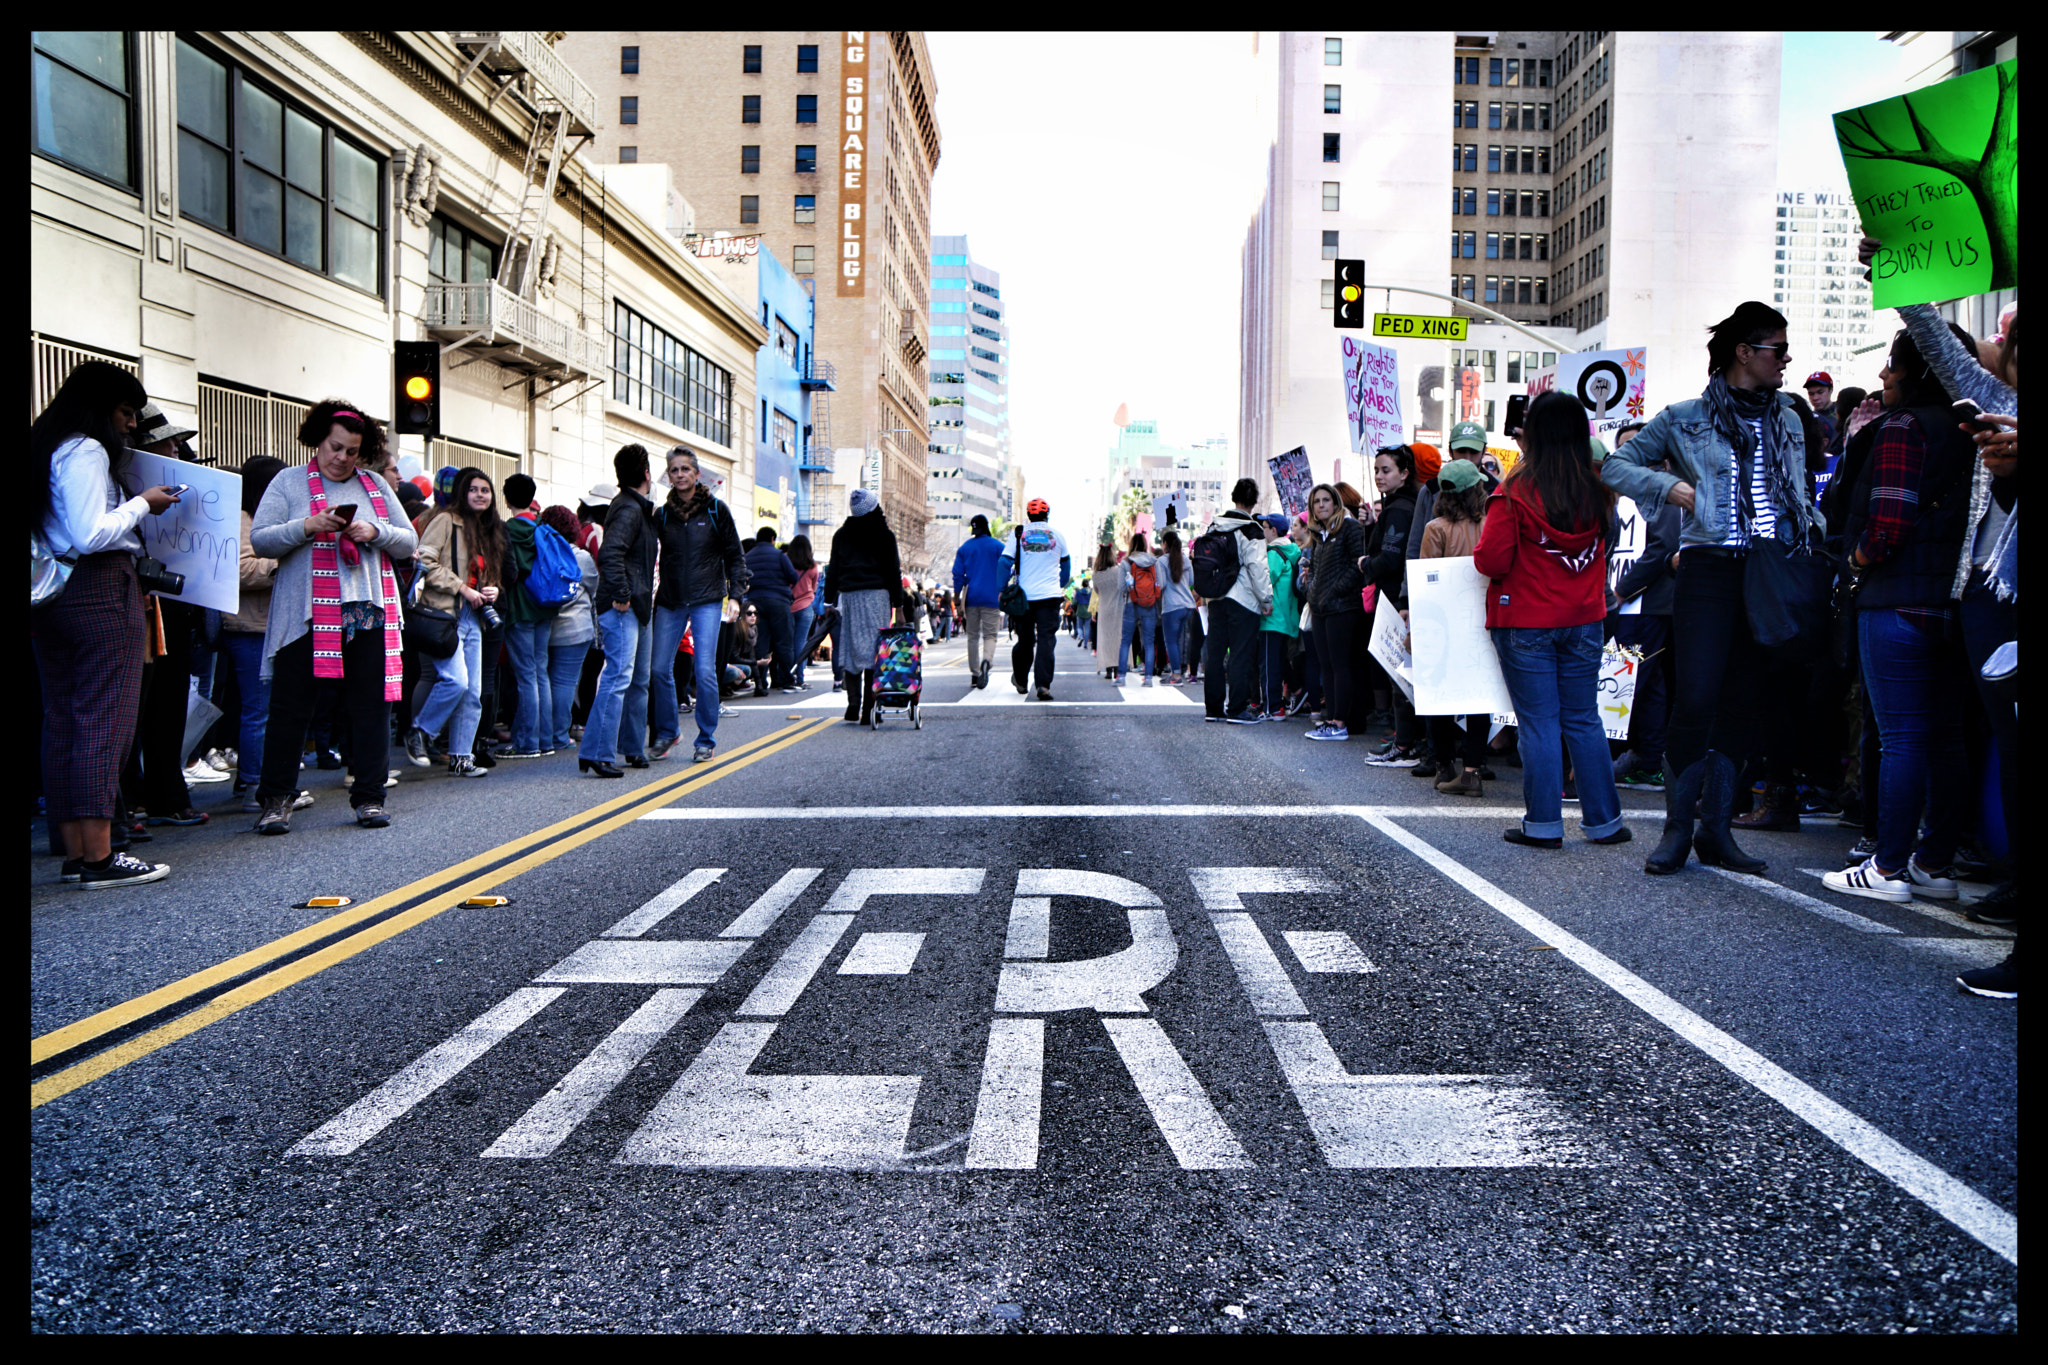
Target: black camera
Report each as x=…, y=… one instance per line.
x=154, y=577
x=492, y=620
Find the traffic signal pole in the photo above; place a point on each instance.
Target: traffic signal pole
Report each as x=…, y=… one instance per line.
x=1389, y=290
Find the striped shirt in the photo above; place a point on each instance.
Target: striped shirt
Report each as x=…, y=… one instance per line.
x=1766, y=521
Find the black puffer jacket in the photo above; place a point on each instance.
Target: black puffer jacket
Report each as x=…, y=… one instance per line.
x=864, y=556
x=1335, y=584
x=1387, y=547
x=701, y=557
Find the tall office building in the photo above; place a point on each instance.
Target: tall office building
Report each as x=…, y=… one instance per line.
x=1820, y=288
x=1197, y=476
x=968, y=449
x=823, y=144
x=1601, y=183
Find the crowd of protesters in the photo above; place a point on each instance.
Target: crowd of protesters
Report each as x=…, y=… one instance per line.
x=1825, y=607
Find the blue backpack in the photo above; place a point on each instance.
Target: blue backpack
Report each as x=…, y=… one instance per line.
x=554, y=576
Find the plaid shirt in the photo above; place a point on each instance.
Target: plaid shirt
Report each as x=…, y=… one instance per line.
x=1898, y=458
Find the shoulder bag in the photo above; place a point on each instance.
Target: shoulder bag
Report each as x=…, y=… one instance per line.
x=1013, y=602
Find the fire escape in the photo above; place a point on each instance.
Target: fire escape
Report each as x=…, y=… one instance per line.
x=507, y=320
x=820, y=382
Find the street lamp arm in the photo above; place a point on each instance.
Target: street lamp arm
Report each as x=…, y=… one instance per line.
x=1547, y=342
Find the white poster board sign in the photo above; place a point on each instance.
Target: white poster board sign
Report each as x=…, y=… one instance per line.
x=1631, y=534
x=1457, y=672
x=1389, y=644
x=1616, y=689
x=1610, y=383
x=1372, y=395
x=200, y=536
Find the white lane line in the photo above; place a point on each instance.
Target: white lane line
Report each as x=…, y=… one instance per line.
x=659, y=962
x=1805, y=902
x=1005, y=1134
x=555, y=1115
x=758, y=918
x=1258, y=967
x=1954, y=919
x=1327, y=950
x=799, y=962
x=1030, y=934
x=663, y=905
x=376, y=1111
x=1200, y=1139
x=882, y=955
x=1995, y=1227
x=1085, y=812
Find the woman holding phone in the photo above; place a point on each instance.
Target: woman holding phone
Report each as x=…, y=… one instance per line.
x=460, y=553
x=333, y=528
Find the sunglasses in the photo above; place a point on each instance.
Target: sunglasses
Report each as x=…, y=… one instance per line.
x=1783, y=348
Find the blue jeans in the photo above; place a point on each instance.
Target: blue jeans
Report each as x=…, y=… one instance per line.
x=618, y=714
x=1142, y=622
x=246, y=649
x=1176, y=626
x=565, y=671
x=800, y=631
x=527, y=643
x=1553, y=676
x=457, y=699
x=669, y=622
x=774, y=617
x=1913, y=672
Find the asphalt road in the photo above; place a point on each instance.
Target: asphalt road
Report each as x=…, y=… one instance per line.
x=1069, y=1016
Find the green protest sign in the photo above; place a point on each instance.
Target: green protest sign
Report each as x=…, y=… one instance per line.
x=1936, y=179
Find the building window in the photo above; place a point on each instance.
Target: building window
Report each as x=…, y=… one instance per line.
x=750, y=208
x=1528, y=247
x=807, y=208
x=1514, y=71
x=659, y=375
x=803, y=260
x=1454, y=201
x=1471, y=113
x=1493, y=71
x=1493, y=289
x=807, y=57
x=1471, y=156
x=1493, y=203
x=1543, y=115
x=1487, y=365
x=1454, y=245
x=750, y=59
x=1523, y=287
x=1542, y=247
x=1543, y=75
x=80, y=104
x=785, y=341
x=750, y=160
x=1466, y=288
x=629, y=108
x=1329, y=246
x=1514, y=367
x=1542, y=204
x=629, y=61
x=750, y=108
x=1471, y=241
x=1493, y=246
x=806, y=108
x=1471, y=194
x=1457, y=114
x=1333, y=99
x=1333, y=52
x=455, y=255
x=1493, y=115
x=1330, y=188
x=1329, y=293
x=1330, y=146
x=1471, y=70
x=628, y=155
x=274, y=177
x=806, y=159
x=1493, y=160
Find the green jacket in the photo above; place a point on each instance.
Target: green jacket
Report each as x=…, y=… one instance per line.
x=1281, y=557
x=515, y=603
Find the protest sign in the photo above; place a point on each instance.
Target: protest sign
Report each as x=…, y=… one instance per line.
x=1615, y=689
x=1372, y=395
x=1609, y=383
x=200, y=536
x=1389, y=644
x=1456, y=670
x=1178, y=501
x=1935, y=174
x=1292, y=480
x=1630, y=535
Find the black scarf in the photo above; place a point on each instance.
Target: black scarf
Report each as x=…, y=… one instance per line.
x=700, y=501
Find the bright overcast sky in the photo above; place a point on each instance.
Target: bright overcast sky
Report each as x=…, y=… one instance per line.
x=1110, y=178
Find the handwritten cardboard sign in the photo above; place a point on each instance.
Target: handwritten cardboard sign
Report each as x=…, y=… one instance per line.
x=1457, y=671
x=1389, y=644
x=201, y=535
x=1935, y=174
x=1292, y=480
x=1372, y=395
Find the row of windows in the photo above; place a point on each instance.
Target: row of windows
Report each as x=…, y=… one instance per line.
x=750, y=109
x=1512, y=117
x=658, y=374
x=804, y=208
x=1569, y=58
x=1501, y=203
x=1502, y=246
x=1499, y=160
x=1588, y=312
x=1522, y=71
x=750, y=158
x=806, y=58
x=1589, y=219
x=1521, y=364
x=1503, y=289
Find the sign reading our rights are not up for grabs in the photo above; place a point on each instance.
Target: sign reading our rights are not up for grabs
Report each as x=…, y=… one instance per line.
x=1372, y=395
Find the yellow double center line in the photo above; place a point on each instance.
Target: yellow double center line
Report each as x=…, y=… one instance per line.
x=544, y=845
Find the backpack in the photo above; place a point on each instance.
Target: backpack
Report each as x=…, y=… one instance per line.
x=554, y=577
x=1216, y=562
x=1144, y=587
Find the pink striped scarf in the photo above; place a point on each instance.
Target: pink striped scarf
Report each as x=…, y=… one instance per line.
x=327, y=596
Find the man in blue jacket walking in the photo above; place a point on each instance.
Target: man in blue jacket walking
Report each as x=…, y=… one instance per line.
x=978, y=578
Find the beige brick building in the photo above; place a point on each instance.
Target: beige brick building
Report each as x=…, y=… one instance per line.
x=823, y=143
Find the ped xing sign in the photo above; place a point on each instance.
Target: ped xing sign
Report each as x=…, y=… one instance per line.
x=1419, y=327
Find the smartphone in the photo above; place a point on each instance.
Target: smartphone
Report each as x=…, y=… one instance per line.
x=347, y=511
x=1518, y=409
x=1971, y=416
x=178, y=490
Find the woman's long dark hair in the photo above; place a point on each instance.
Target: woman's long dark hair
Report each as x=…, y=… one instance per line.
x=485, y=530
x=1174, y=562
x=83, y=406
x=1556, y=472
x=257, y=473
x=800, y=553
x=1919, y=387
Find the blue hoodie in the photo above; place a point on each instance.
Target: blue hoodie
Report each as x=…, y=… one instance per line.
x=978, y=571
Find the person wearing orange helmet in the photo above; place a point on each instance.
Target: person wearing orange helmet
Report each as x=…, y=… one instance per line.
x=1038, y=555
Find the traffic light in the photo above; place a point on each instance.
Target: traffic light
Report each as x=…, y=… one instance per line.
x=1350, y=310
x=416, y=376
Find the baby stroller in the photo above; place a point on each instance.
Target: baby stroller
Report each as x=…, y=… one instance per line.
x=899, y=675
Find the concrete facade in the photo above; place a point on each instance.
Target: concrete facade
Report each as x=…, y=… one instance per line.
x=691, y=91
x=969, y=440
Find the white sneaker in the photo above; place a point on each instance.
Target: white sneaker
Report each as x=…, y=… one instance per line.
x=1934, y=886
x=202, y=771
x=1866, y=880
x=220, y=762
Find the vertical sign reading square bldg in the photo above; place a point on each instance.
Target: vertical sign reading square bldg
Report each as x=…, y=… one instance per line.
x=853, y=194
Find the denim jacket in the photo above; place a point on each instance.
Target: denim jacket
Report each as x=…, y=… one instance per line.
x=1684, y=434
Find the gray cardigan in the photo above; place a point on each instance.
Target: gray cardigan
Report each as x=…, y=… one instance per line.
x=279, y=533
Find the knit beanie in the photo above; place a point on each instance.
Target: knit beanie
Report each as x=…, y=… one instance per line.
x=860, y=502
x=1428, y=460
x=444, y=485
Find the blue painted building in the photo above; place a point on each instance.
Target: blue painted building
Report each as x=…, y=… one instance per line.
x=792, y=448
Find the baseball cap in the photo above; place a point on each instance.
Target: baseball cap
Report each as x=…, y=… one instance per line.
x=1277, y=521
x=152, y=425
x=600, y=495
x=1820, y=377
x=1457, y=476
x=1468, y=436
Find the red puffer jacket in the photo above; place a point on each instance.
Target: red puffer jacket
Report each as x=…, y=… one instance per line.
x=1542, y=577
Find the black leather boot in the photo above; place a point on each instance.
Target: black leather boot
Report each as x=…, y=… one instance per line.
x=1714, y=843
x=1681, y=794
x=854, y=692
x=867, y=696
